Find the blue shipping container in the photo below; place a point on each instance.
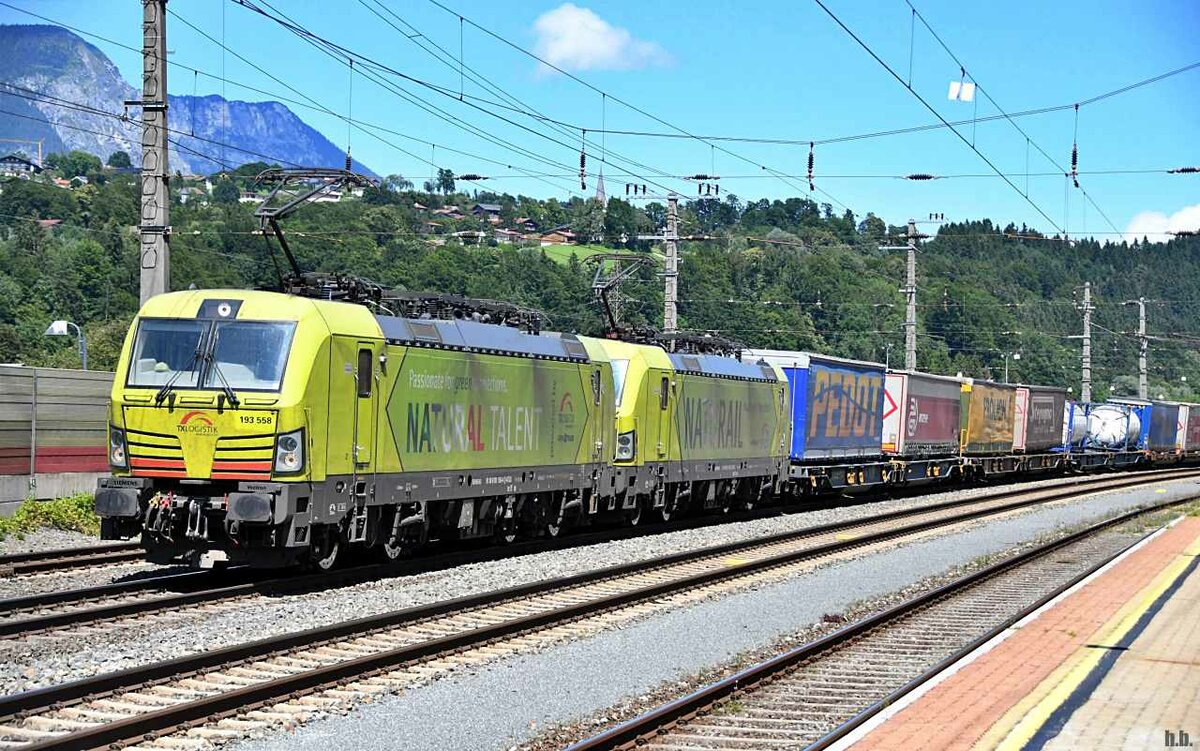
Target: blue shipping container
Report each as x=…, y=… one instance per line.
x=837, y=405
x=842, y=411
x=1164, y=426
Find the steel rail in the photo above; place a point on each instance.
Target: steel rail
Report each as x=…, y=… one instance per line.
x=16, y=707
x=645, y=727
x=67, y=558
x=19, y=627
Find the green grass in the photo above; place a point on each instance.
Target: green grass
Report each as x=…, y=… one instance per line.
x=563, y=253
x=73, y=514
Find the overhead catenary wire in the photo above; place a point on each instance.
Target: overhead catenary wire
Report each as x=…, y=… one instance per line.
x=980, y=89
x=311, y=104
x=930, y=107
x=629, y=105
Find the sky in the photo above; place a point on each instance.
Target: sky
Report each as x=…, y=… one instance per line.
x=774, y=69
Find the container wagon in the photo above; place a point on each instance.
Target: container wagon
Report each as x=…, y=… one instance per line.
x=1164, y=431
x=1038, y=428
x=1107, y=434
x=986, y=423
x=836, y=421
x=921, y=417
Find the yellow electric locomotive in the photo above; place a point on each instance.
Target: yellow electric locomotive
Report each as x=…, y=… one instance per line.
x=274, y=429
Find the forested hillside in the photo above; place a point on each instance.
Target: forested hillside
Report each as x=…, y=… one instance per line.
x=786, y=274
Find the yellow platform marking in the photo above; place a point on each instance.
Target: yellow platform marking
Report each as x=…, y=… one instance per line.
x=1018, y=726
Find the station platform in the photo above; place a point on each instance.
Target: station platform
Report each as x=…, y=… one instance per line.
x=1112, y=664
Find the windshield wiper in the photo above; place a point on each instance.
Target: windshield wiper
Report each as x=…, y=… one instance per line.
x=168, y=388
x=230, y=396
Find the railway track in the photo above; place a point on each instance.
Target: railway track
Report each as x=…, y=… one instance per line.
x=65, y=559
x=275, y=679
x=816, y=694
x=107, y=605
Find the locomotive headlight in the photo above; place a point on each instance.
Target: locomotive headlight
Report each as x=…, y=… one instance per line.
x=626, y=446
x=118, y=455
x=289, y=453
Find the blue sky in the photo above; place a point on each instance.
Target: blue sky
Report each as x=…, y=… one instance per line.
x=772, y=69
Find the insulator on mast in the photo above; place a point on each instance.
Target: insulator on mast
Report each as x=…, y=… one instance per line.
x=811, y=187
x=583, y=162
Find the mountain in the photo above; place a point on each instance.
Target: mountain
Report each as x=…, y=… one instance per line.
x=66, y=70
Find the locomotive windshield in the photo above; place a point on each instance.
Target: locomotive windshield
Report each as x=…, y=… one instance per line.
x=192, y=354
x=164, y=349
x=249, y=355
x=619, y=369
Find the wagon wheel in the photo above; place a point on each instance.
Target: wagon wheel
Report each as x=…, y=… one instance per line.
x=554, y=521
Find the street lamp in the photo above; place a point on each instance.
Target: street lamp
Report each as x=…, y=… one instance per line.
x=63, y=328
x=1013, y=355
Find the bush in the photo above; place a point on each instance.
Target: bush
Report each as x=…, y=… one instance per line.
x=72, y=514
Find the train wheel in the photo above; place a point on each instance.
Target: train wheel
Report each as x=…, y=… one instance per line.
x=633, y=517
x=326, y=555
x=389, y=552
x=665, y=513
x=505, y=532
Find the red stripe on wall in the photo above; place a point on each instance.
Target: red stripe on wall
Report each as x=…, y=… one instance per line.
x=72, y=463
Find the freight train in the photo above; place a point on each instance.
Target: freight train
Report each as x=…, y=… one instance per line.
x=272, y=429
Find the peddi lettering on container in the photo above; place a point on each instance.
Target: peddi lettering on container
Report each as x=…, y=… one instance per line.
x=844, y=403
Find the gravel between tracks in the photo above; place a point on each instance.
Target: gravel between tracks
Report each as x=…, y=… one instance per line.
x=27, y=665
x=510, y=701
x=48, y=539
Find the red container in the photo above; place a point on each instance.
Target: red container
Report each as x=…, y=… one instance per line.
x=921, y=415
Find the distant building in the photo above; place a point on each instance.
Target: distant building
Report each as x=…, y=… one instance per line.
x=49, y=223
x=486, y=209
x=470, y=236
x=525, y=224
x=557, y=237
x=509, y=236
x=15, y=165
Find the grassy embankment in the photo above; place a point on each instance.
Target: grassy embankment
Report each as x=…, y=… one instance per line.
x=73, y=514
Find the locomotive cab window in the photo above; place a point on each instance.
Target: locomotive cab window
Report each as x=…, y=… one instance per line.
x=167, y=351
x=249, y=355
x=365, y=361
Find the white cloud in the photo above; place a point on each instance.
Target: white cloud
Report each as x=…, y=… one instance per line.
x=576, y=39
x=1155, y=225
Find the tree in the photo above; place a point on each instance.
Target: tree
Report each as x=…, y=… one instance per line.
x=620, y=222
x=396, y=183
x=429, y=186
x=119, y=160
x=445, y=181
x=225, y=190
x=73, y=163
x=587, y=219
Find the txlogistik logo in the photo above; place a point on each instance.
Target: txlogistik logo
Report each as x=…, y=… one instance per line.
x=1177, y=739
x=196, y=423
